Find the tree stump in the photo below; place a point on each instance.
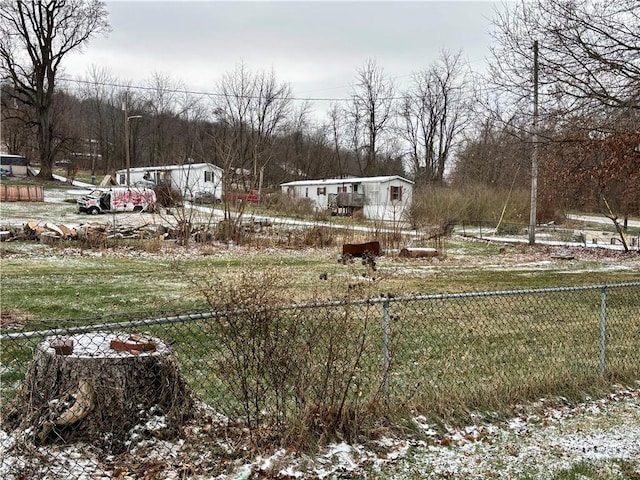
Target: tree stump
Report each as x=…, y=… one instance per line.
x=101, y=388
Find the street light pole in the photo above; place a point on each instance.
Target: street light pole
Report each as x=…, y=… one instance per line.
x=126, y=143
x=127, y=119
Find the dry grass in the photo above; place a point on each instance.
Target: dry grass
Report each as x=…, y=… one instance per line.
x=435, y=205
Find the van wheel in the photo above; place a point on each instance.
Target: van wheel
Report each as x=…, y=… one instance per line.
x=93, y=211
x=137, y=208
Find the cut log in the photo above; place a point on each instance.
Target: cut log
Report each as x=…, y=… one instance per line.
x=49, y=238
x=67, y=232
x=79, y=388
x=31, y=225
x=54, y=228
x=563, y=255
x=417, y=252
x=33, y=229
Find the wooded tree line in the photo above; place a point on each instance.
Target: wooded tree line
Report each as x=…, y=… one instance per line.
x=448, y=126
x=252, y=122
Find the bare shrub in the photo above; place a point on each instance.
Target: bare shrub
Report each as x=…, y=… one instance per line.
x=152, y=245
x=333, y=381
x=297, y=375
x=289, y=205
x=318, y=236
x=230, y=230
x=167, y=196
x=92, y=238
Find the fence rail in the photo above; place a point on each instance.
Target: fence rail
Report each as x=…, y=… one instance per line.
x=442, y=355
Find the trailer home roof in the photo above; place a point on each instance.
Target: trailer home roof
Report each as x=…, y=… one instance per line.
x=340, y=181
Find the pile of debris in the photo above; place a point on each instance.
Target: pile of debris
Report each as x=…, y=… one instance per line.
x=48, y=232
x=94, y=233
x=43, y=231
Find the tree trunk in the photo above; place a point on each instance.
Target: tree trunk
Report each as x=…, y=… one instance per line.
x=101, y=388
x=44, y=145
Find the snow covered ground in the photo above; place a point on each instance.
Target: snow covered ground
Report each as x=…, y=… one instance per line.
x=535, y=445
x=541, y=441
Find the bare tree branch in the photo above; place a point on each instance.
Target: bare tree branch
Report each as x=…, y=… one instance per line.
x=35, y=36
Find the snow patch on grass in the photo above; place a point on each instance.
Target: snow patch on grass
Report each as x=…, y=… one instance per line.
x=537, y=443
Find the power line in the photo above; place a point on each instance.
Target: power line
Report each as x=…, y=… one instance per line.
x=192, y=92
x=244, y=96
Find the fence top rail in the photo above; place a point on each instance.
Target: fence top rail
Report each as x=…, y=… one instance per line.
x=506, y=293
x=189, y=317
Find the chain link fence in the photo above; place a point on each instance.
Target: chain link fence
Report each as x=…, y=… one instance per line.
x=189, y=394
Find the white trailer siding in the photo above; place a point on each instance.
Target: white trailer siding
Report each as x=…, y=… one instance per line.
x=190, y=179
x=389, y=199
x=15, y=164
x=379, y=198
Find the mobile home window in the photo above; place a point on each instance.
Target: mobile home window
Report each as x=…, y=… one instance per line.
x=396, y=193
x=322, y=190
x=208, y=176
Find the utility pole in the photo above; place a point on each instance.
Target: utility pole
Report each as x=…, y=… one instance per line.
x=127, y=134
x=126, y=139
x=534, y=153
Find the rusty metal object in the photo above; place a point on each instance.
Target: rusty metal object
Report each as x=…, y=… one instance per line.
x=62, y=346
x=361, y=249
x=135, y=345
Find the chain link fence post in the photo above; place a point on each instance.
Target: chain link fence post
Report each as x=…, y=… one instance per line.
x=603, y=331
x=385, y=347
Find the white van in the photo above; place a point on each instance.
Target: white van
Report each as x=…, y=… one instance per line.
x=117, y=199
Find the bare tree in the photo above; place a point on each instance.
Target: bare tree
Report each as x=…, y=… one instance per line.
x=589, y=52
x=16, y=132
x=256, y=107
x=589, y=70
x=597, y=173
x=292, y=148
x=370, y=114
x=103, y=117
x=35, y=36
x=432, y=115
x=164, y=109
x=251, y=110
x=335, y=126
x=494, y=155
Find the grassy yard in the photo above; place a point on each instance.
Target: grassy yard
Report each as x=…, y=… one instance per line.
x=448, y=359
x=66, y=283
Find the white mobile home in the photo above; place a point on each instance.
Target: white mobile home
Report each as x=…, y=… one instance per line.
x=13, y=165
x=379, y=198
x=191, y=179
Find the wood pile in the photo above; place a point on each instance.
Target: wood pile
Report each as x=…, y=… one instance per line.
x=48, y=232
x=94, y=233
x=97, y=234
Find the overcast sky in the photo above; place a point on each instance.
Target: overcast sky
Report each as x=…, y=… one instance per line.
x=316, y=46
